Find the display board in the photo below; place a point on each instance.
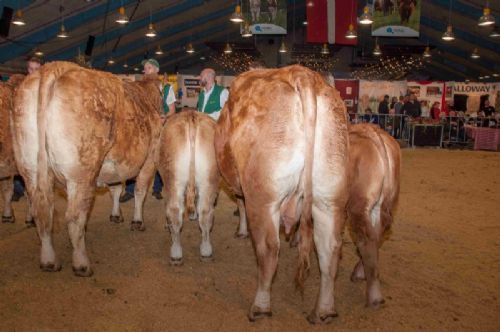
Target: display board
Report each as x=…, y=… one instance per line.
x=393, y=18
x=266, y=17
x=371, y=93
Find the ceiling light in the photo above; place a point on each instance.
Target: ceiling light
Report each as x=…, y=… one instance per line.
x=366, y=17
x=427, y=52
x=495, y=33
x=122, y=17
x=283, y=48
x=125, y=65
x=38, y=52
x=151, y=32
x=475, y=54
x=136, y=69
x=480, y=77
x=325, y=50
x=190, y=48
x=377, y=51
x=486, y=76
x=304, y=23
x=18, y=20
x=159, y=51
x=487, y=18
x=495, y=75
x=228, y=49
x=236, y=17
x=111, y=61
x=62, y=32
x=448, y=34
x=246, y=31
x=202, y=58
x=310, y=3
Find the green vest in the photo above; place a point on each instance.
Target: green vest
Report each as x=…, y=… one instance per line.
x=166, y=90
x=213, y=103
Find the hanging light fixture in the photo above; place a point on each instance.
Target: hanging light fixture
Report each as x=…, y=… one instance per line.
x=38, y=52
x=190, y=48
x=351, y=33
x=366, y=17
x=427, y=52
x=310, y=3
x=236, y=17
x=475, y=54
x=62, y=32
x=228, y=49
x=448, y=34
x=18, y=20
x=283, y=48
x=125, y=65
x=325, y=50
x=159, y=51
x=111, y=61
x=304, y=23
x=376, y=50
x=495, y=75
x=136, y=69
x=495, y=33
x=487, y=18
x=246, y=31
x=151, y=32
x=122, y=18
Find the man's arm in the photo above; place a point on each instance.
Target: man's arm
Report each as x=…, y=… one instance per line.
x=224, y=96
x=171, y=102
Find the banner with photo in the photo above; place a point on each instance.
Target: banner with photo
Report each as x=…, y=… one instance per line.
x=265, y=17
x=396, y=18
x=371, y=93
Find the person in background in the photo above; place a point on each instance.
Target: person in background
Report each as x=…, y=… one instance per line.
x=394, y=100
x=33, y=63
x=435, y=110
x=399, y=105
x=369, y=117
x=151, y=69
x=424, y=106
x=212, y=97
x=383, y=107
x=412, y=107
x=487, y=108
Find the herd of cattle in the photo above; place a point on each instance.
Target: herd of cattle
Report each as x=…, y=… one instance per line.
x=282, y=143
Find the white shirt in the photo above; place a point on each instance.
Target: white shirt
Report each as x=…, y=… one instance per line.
x=224, y=95
x=171, y=96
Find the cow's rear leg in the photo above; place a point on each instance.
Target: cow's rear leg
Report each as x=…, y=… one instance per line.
x=175, y=213
x=80, y=198
x=7, y=188
x=328, y=240
x=116, y=213
x=206, y=207
x=368, y=249
x=48, y=259
x=242, y=232
x=142, y=182
x=30, y=222
x=358, y=273
x=264, y=230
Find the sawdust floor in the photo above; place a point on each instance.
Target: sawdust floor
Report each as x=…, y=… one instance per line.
x=440, y=268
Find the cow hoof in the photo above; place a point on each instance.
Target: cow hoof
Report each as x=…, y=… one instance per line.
x=116, y=219
x=193, y=216
x=257, y=313
x=137, y=226
x=50, y=267
x=8, y=220
x=314, y=318
x=83, y=271
x=240, y=236
x=375, y=304
x=207, y=259
x=30, y=223
x=176, y=261
x=357, y=278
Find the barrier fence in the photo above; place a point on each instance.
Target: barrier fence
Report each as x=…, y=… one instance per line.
x=455, y=131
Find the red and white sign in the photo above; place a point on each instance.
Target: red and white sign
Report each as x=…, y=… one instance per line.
x=328, y=21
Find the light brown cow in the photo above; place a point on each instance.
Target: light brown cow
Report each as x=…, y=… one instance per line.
x=82, y=127
x=186, y=162
x=7, y=163
x=374, y=168
x=281, y=142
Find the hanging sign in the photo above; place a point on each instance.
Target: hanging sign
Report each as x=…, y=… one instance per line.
x=265, y=17
x=396, y=18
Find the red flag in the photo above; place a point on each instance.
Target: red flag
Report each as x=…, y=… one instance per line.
x=328, y=21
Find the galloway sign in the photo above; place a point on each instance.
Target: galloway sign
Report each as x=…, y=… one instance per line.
x=474, y=88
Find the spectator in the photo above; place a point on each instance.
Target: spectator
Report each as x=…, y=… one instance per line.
x=394, y=100
x=412, y=107
x=212, y=97
x=487, y=108
x=383, y=107
x=369, y=117
x=424, y=106
x=399, y=105
x=435, y=110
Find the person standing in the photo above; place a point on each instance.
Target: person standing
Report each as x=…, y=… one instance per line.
x=151, y=69
x=488, y=110
x=212, y=97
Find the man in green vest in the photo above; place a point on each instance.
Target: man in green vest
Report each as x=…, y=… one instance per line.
x=212, y=96
x=151, y=69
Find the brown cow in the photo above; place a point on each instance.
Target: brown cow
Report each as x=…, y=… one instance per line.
x=82, y=127
x=271, y=142
x=7, y=163
x=186, y=162
x=374, y=168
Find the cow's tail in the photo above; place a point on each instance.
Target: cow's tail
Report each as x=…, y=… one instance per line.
x=191, y=188
x=305, y=86
x=43, y=196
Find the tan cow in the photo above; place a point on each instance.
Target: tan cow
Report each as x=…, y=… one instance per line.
x=7, y=163
x=186, y=162
x=82, y=127
x=271, y=142
x=374, y=168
